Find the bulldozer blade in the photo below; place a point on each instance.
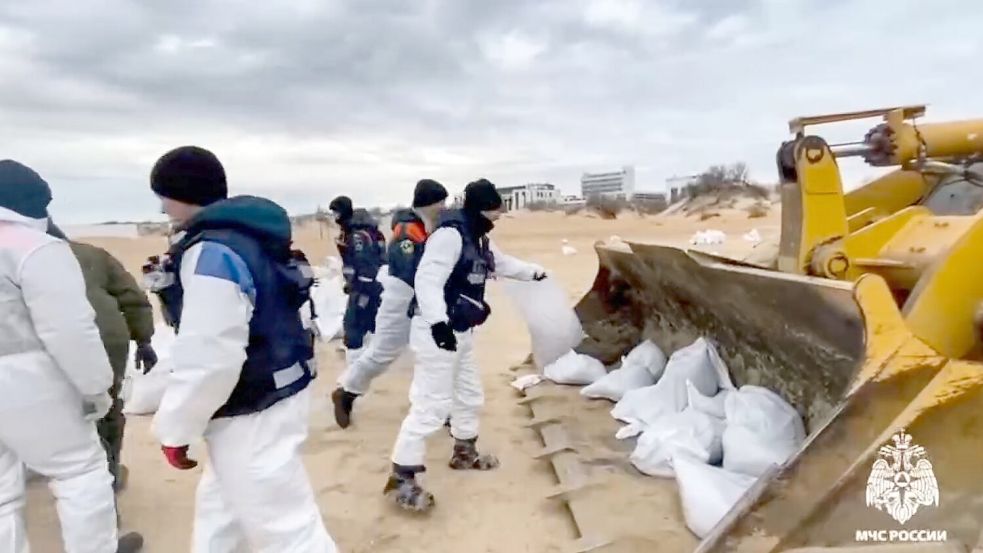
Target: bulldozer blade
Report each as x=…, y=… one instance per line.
x=839, y=352
x=802, y=337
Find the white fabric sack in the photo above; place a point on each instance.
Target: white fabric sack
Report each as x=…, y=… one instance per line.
x=707, y=493
x=330, y=302
x=712, y=405
x=690, y=433
x=525, y=381
x=697, y=363
x=642, y=367
x=762, y=429
x=142, y=393
x=554, y=328
x=708, y=237
x=575, y=369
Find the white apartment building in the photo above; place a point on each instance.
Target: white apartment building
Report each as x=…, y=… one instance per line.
x=617, y=183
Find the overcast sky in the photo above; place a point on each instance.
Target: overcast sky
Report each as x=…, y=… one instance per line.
x=306, y=99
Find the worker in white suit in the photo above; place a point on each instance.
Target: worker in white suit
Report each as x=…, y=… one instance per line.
x=241, y=368
x=54, y=378
x=410, y=228
x=450, y=304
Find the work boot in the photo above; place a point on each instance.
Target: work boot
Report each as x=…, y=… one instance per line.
x=466, y=457
x=120, y=479
x=404, y=490
x=130, y=543
x=343, y=401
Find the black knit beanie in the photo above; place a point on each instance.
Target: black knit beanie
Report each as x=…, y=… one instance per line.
x=428, y=192
x=342, y=205
x=23, y=191
x=191, y=175
x=481, y=195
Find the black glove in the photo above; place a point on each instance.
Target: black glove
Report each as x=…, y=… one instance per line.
x=443, y=336
x=145, y=357
x=538, y=276
x=347, y=289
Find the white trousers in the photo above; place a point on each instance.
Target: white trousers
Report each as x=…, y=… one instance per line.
x=254, y=495
x=53, y=439
x=445, y=383
x=392, y=334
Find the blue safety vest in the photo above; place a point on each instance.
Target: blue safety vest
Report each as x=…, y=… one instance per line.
x=464, y=292
x=279, y=347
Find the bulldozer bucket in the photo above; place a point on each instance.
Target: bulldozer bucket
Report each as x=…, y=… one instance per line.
x=842, y=355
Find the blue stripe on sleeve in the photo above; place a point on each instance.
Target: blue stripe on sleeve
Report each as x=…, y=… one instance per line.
x=219, y=261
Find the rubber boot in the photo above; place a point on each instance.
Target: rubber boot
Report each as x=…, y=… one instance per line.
x=406, y=492
x=343, y=401
x=130, y=543
x=466, y=457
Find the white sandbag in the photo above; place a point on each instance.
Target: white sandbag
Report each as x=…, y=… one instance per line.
x=711, y=405
x=568, y=250
x=575, y=369
x=752, y=236
x=762, y=429
x=648, y=355
x=748, y=453
x=142, y=393
x=708, y=237
x=330, y=301
x=526, y=381
x=697, y=362
x=690, y=432
x=642, y=366
x=554, y=328
x=707, y=493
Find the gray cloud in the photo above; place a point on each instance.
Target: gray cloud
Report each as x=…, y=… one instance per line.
x=304, y=99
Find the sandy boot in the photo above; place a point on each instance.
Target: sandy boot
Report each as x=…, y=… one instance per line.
x=466, y=457
x=404, y=490
x=343, y=401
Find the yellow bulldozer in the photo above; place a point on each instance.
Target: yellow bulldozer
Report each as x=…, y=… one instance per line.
x=864, y=323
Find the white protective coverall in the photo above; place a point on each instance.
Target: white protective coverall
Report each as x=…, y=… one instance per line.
x=51, y=357
x=444, y=382
x=254, y=494
x=392, y=334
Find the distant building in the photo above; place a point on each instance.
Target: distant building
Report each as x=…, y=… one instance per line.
x=572, y=201
x=619, y=184
x=518, y=197
x=649, y=197
x=679, y=187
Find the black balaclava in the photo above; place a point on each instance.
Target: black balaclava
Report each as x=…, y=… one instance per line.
x=23, y=191
x=342, y=206
x=479, y=196
x=191, y=175
x=428, y=192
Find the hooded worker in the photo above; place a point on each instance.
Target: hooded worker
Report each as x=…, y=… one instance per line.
x=123, y=314
x=240, y=362
x=54, y=377
x=392, y=323
x=362, y=248
x=450, y=304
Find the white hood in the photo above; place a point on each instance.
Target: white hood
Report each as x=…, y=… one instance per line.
x=10, y=216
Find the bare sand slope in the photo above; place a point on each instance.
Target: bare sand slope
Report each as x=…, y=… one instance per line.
x=503, y=511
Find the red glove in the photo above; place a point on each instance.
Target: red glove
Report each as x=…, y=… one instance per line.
x=178, y=457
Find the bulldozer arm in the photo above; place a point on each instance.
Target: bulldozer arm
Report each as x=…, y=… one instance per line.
x=840, y=352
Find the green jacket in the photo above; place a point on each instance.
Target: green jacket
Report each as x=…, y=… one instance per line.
x=123, y=312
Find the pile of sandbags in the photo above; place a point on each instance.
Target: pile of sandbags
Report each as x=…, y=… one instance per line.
x=714, y=439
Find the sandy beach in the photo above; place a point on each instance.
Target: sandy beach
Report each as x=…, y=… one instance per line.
x=503, y=511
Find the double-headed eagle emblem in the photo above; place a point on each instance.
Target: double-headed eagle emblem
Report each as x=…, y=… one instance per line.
x=902, y=479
